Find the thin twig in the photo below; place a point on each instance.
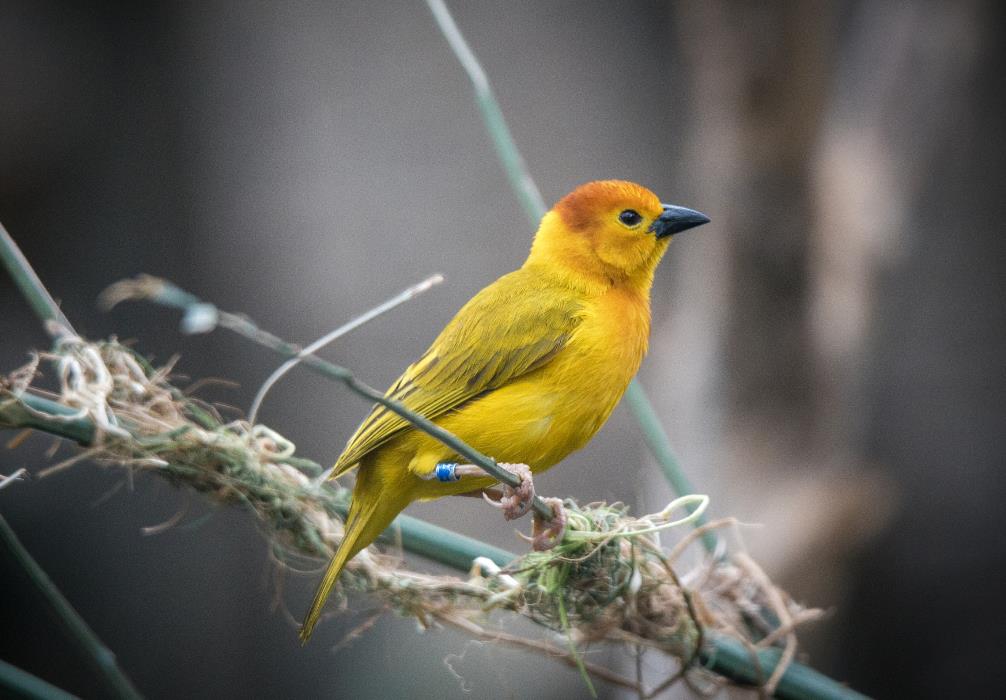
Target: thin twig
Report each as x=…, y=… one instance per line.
x=169, y=523
x=314, y=510
x=698, y=532
x=660, y=447
x=98, y=655
x=529, y=196
x=800, y=618
x=513, y=162
x=403, y=296
x=202, y=316
x=34, y=292
x=21, y=684
x=18, y=475
x=782, y=612
x=535, y=645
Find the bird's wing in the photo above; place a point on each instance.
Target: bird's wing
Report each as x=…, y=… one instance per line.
x=513, y=326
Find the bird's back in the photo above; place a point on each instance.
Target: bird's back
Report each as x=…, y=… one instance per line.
x=526, y=372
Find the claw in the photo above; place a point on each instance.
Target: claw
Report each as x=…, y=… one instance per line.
x=549, y=533
x=490, y=501
x=516, y=501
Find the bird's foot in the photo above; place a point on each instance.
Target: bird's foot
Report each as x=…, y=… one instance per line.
x=546, y=534
x=516, y=500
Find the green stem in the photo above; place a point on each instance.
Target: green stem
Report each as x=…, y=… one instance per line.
x=202, y=316
x=445, y=546
x=506, y=148
x=31, y=286
x=16, y=683
x=722, y=655
x=731, y=659
x=102, y=660
x=33, y=411
x=533, y=203
x=455, y=550
x=564, y=621
x=659, y=444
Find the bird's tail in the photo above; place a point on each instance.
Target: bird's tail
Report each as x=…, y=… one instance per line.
x=367, y=518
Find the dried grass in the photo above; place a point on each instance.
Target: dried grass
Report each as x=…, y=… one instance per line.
x=609, y=581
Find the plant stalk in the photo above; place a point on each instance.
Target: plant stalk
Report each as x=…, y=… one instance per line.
x=34, y=292
x=201, y=316
x=720, y=654
x=100, y=657
x=17, y=683
x=530, y=198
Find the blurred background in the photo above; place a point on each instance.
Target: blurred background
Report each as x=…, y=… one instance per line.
x=827, y=354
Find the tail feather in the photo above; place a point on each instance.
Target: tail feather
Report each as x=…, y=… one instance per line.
x=367, y=518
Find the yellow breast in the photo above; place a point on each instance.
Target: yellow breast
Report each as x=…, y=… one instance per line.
x=545, y=415
x=590, y=378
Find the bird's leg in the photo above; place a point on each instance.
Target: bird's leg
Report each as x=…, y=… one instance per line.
x=492, y=492
x=515, y=501
x=546, y=534
x=452, y=471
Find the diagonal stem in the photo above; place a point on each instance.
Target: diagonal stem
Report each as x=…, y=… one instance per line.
x=57, y=325
x=42, y=303
x=513, y=162
x=332, y=336
x=530, y=198
x=720, y=654
x=201, y=316
x=101, y=658
x=21, y=684
x=660, y=446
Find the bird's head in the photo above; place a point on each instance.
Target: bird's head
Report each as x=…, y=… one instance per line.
x=609, y=230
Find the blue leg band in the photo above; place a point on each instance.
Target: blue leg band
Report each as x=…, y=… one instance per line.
x=445, y=471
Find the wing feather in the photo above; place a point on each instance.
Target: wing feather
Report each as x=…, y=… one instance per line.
x=510, y=328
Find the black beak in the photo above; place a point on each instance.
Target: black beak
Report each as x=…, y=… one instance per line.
x=675, y=220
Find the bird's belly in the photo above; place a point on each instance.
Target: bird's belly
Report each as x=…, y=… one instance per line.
x=541, y=418
x=545, y=415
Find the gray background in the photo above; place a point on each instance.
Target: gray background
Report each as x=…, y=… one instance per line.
x=827, y=354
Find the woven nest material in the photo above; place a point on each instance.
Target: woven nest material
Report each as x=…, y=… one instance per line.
x=608, y=581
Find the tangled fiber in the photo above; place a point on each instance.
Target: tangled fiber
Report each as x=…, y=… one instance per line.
x=608, y=582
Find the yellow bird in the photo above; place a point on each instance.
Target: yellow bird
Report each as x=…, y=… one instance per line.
x=527, y=371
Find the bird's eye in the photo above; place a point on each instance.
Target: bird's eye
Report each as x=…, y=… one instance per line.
x=630, y=218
